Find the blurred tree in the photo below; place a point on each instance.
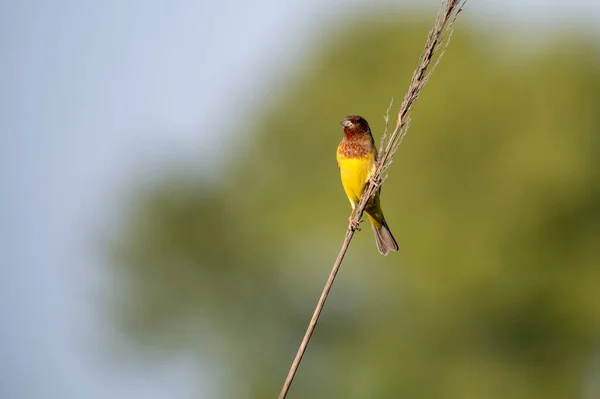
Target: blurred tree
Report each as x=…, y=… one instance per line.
x=494, y=198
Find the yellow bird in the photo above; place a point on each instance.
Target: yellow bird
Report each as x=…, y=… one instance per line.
x=357, y=159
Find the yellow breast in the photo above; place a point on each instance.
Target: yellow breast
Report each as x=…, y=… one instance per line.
x=355, y=172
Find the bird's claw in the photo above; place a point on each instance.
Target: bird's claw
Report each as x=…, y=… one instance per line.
x=354, y=225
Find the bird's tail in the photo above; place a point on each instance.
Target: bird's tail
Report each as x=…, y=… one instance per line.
x=384, y=238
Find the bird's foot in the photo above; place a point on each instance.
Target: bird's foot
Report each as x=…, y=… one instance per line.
x=354, y=225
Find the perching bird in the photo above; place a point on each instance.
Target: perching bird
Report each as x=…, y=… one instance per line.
x=356, y=159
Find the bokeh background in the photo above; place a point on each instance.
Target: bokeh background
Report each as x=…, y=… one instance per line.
x=171, y=205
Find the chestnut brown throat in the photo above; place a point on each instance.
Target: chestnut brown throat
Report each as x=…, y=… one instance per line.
x=358, y=141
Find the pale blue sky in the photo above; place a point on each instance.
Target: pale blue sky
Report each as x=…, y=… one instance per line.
x=98, y=95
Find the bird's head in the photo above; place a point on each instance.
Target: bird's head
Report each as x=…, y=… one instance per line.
x=354, y=125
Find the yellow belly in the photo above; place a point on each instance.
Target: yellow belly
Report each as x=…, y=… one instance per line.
x=355, y=172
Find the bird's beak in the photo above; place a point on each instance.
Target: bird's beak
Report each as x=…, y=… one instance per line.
x=346, y=123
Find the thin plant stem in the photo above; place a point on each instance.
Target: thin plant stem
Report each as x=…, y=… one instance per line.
x=439, y=36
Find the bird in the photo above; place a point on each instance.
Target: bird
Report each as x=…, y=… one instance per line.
x=357, y=160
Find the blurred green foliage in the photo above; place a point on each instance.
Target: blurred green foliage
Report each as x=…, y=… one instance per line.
x=494, y=198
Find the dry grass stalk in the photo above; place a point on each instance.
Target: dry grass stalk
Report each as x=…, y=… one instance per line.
x=438, y=38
